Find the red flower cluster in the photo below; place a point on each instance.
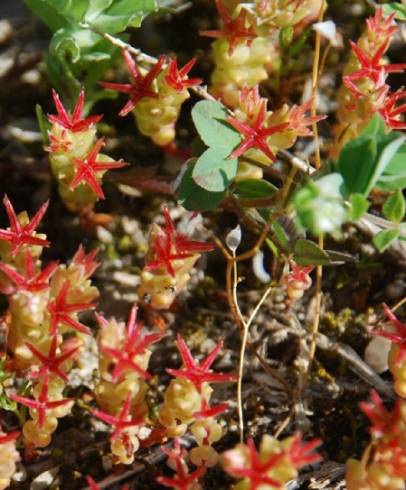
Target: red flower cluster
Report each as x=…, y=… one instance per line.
x=256, y=470
x=51, y=363
x=141, y=85
x=371, y=68
x=19, y=235
x=170, y=245
x=32, y=281
x=178, y=78
x=397, y=337
x=235, y=31
x=121, y=422
x=42, y=404
x=74, y=122
x=61, y=312
x=201, y=372
x=182, y=479
x=255, y=136
x=134, y=345
x=382, y=420
x=86, y=169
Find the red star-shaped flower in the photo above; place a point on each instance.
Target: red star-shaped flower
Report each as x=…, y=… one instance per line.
x=299, y=122
x=250, y=100
x=140, y=87
x=86, y=262
x=255, y=136
x=74, y=122
x=199, y=372
x=397, y=337
x=236, y=30
x=183, y=480
x=207, y=411
x=32, y=281
x=391, y=113
x=123, y=421
x=170, y=245
x=302, y=454
x=42, y=404
x=381, y=26
x=178, y=79
x=51, y=363
x=371, y=68
x=60, y=143
x=135, y=344
x=257, y=470
x=86, y=170
x=61, y=312
x=18, y=235
x=382, y=420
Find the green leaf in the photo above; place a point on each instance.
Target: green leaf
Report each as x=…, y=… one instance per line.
x=213, y=171
x=96, y=7
x=64, y=43
x=394, y=207
x=78, y=57
x=384, y=159
x=281, y=235
x=394, y=175
x=254, y=189
x=42, y=123
x=399, y=9
x=72, y=10
x=319, y=205
x=392, y=182
x=384, y=238
x=308, y=253
x=359, y=206
x=210, y=119
x=123, y=13
x=397, y=164
x=286, y=37
x=195, y=198
x=47, y=13
x=364, y=160
x=376, y=127
x=356, y=164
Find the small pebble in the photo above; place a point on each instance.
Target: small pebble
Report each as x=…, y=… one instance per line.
x=376, y=354
x=32, y=77
x=104, y=235
x=6, y=30
x=45, y=479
